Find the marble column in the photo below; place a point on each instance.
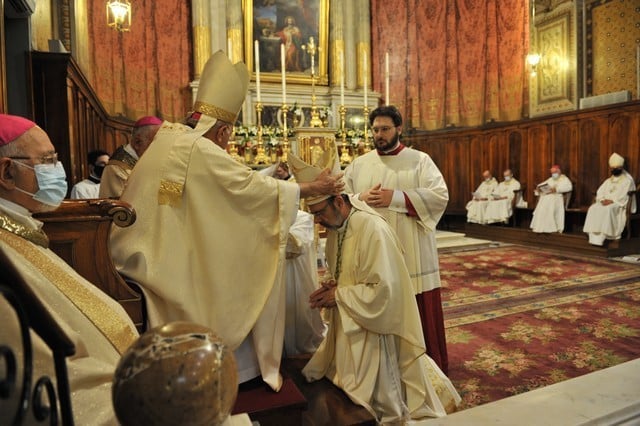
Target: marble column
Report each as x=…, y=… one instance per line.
x=201, y=35
x=363, y=40
x=235, y=29
x=336, y=37
x=348, y=9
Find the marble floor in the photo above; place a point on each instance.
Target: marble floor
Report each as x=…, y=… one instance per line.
x=606, y=397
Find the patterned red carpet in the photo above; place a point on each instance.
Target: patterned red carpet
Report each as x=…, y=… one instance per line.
x=519, y=319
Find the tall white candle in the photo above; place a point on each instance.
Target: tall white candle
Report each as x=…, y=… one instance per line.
x=284, y=77
x=342, y=77
x=386, y=78
x=230, y=49
x=257, y=58
x=364, y=78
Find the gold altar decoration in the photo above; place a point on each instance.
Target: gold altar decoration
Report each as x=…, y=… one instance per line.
x=261, y=156
x=345, y=157
x=312, y=142
x=277, y=142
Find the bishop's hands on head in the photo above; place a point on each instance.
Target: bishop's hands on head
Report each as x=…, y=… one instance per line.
x=324, y=184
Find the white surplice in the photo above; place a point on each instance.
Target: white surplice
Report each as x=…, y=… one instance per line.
x=414, y=173
x=548, y=215
x=499, y=208
x=97, y=325
x=85, y=189
x=208, y=245
x=608, y=222
x=304, y=328
x=477, y=206
x=374, y=348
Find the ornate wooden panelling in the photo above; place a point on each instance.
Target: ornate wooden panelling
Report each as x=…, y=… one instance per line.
x=66, y=107
x=580, y=141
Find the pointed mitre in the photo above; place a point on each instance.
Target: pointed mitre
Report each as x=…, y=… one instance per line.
x=223, y=87
x=616, y=160
x=304, y=172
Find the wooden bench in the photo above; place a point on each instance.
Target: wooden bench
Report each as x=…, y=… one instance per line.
x=78, y=232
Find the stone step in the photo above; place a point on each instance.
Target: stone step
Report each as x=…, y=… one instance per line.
x=452, y=241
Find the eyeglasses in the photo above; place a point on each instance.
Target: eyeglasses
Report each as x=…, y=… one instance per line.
x=45, y=159
x=382, y=129
x=321, y=211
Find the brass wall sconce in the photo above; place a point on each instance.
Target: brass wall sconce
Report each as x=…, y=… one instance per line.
x=119, y=15
x=533, y=59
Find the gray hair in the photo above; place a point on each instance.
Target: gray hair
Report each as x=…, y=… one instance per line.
x=12, y=149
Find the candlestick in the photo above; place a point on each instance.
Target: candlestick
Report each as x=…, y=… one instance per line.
x=261, y=155
x=284, y=78
x=257, y=55
x=345, y=158
x=386, y=78
x=342, y=77
x=285, y=134
x=364, y=79
x=310, y=48
x=230, y=49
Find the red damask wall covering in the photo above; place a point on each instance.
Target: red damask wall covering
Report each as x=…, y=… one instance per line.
x=452, y=62
x=145, y=71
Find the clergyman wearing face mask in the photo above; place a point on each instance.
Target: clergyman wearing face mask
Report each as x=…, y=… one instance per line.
x=90, y=187
x=31, y=177
x=32, y=180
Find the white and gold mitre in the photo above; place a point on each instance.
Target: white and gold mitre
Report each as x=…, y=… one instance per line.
x=304, y=172
x=223, y=87
x=616, y=160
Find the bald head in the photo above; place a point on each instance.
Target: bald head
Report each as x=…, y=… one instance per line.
x=486, y=175
x=142, y=137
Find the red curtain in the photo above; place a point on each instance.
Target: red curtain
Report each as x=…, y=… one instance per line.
x=145, y=71
x=454, y=62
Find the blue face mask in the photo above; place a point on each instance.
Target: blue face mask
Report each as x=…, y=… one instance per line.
x=52, y=183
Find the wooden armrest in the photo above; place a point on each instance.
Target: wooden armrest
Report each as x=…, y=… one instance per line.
x=100, y=209
x=78, y=232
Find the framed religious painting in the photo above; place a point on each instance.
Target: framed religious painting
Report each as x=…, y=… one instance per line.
x=303, y=29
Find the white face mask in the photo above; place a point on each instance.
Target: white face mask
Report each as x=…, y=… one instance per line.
x=507, y=178
x=555, y=175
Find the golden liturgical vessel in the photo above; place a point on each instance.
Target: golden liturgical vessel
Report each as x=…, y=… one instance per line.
x=176, y=374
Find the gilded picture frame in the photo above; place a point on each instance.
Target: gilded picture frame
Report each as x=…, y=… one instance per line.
x=274, y=22
x=554, y=86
